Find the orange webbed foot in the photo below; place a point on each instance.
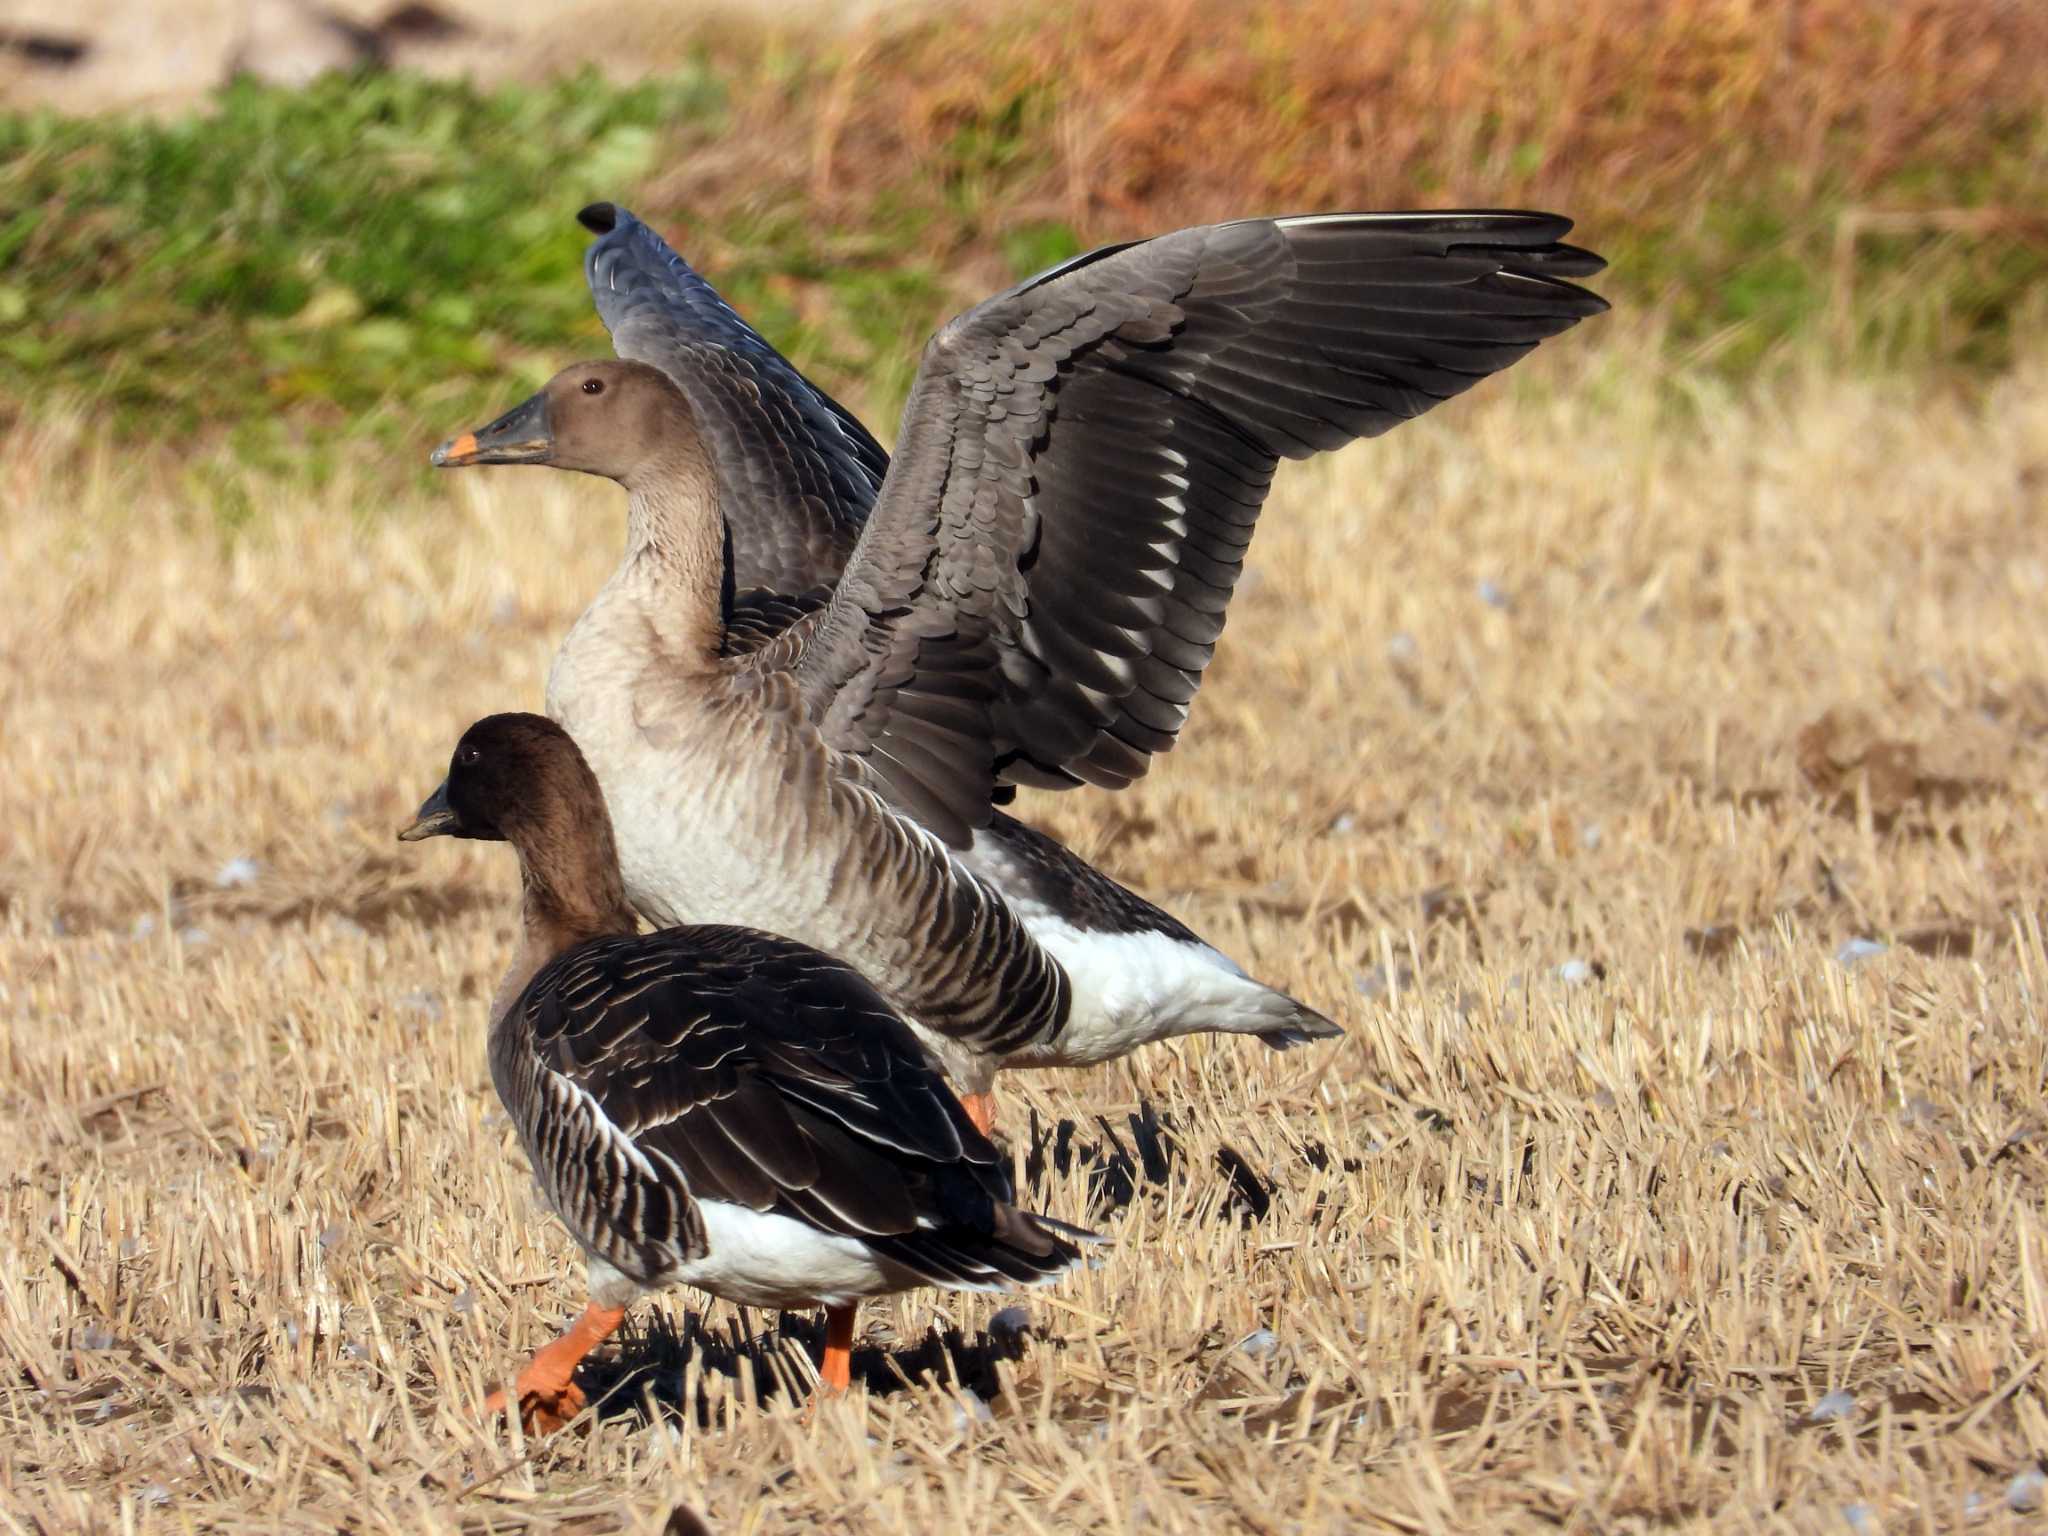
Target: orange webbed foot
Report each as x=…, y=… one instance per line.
x=548, y=1395
x=541, y=1413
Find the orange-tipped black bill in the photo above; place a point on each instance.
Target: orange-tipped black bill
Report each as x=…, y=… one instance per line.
x=520, y=436
x=434, y=819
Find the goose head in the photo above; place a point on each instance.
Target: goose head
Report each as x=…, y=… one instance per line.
x=508, y=775
x=519, y=779
x=612, y=418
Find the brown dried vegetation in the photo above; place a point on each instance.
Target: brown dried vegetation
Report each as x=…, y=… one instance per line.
x=1709, y=146
x=1583, y=1224
x=1616, y=109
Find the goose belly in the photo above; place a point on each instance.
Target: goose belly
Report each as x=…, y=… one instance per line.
x=734, y=816
x=726, y=861
x=761, y=1259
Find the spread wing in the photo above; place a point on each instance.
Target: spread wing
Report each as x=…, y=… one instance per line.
x=650, y=1072
x=1082, y=459
x=798, y=469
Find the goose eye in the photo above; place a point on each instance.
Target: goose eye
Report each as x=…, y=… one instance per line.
x=593, y=386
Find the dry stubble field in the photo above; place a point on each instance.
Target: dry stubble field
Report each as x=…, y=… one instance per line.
x=1634, y=1199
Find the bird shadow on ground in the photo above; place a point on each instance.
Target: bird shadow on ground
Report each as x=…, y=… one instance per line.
x=656, y=1366
x=1144, y=1158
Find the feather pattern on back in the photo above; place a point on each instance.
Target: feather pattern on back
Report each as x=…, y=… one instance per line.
x=650, y=1074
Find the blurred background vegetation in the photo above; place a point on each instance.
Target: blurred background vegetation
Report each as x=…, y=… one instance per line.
x=288, y=270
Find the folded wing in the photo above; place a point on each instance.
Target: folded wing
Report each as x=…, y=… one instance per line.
x=654, y=1072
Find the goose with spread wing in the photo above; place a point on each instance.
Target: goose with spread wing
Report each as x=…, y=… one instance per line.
x=1032, y=599
x=712, y=1106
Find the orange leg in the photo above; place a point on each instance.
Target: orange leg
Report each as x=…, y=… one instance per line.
x=981, y=1109
x=835, y=1371
x=548, y=1394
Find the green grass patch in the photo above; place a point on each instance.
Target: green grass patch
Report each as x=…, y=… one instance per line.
x=389, y=257
x=298, y=261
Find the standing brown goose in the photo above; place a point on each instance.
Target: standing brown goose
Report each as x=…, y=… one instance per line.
x=712, y=1106
x=1033, y=600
